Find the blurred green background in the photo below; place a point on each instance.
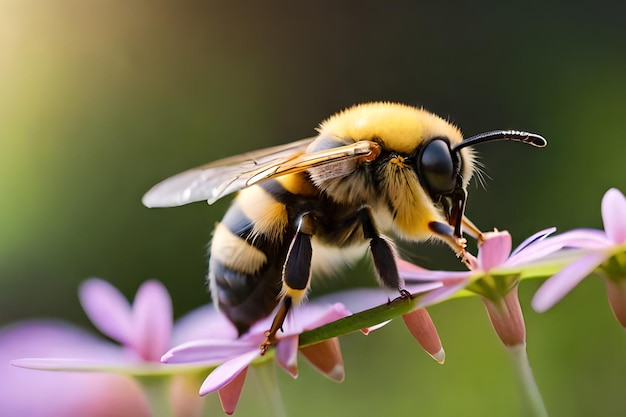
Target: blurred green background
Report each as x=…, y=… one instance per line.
x=100, y=100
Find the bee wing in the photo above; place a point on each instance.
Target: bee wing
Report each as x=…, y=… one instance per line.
x=213, y=181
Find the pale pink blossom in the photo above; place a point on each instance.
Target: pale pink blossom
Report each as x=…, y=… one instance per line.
x=604, y=252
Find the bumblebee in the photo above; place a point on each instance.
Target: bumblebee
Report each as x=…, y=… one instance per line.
x=322, y=202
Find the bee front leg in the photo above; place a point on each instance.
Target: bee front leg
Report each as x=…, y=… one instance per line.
x=471, y=229
x=446, y=232
x=382, y=253
x=296, y=276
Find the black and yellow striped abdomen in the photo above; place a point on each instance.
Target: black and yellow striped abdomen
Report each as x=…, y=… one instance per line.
x=250, y=244
x=247, y=253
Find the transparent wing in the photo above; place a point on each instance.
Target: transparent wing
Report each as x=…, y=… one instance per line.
x=215, y=180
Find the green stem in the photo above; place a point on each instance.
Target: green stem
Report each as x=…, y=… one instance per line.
x=157, y=391
x=530, y=396
x=359, y=321
x=402, y=306
x=266, y=373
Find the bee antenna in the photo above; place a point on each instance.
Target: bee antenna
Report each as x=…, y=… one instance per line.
x=514, y=135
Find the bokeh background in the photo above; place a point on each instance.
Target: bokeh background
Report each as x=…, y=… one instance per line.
x=100, y=100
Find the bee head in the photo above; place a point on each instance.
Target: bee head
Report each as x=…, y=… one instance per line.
x=439, y=168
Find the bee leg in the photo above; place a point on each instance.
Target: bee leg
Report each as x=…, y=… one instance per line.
x=471, y=229
x=296, y=276
x=277, y=324
x=446, y=232
x=382, y=253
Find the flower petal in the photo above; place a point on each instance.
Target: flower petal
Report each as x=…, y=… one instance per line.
x=56, y=394
x=229, y=395
x=287, y=354
x=326, y=358
x=578, y=238
x=107, y=309
x=411, y=277
x=152, y=315
x=424, y=331
x=208, y=351
x=507, y=318
x=311, y=316
x=408, y=268
x=355, y=300
x=616, y=292
x=614, y=215
x=227, y=372
x=184, y=396
x=565, y=280
x=441, y=294
x=67, y=364
x=205, y=322
x=423, y=287
x=413, y=273
x=533, y=239
x=494, y=250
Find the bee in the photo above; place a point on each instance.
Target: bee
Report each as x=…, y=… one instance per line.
x=322, y=202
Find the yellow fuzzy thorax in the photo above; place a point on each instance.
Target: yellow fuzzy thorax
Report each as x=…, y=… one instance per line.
x=398, y=127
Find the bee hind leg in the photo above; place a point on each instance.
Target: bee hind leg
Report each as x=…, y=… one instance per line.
x=277, y=324
x=296, y=276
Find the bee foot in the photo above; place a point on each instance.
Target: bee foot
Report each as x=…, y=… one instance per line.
x=270, y=339
x=404, y=295
x=460, y=243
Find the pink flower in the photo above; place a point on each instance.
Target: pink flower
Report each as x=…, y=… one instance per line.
x=604, y=253
x=233, y=357
x=495, y=262
x=494, y=275
x=144, y=330
x=27, y=393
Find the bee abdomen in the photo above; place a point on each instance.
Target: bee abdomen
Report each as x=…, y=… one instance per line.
x=246, y=260
x=244, y=298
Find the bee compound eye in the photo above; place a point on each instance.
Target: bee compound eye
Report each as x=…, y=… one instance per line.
x=436, y=167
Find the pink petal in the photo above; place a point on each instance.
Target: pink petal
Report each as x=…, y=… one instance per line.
x=408, y=267
x=152, y=311
x=361, y=299
x=614, y=215
x=424, y=331
x=577, y=238
x=442, y=294
x=494, y=250
x=565, y=280
x=107, y=309
x=355, y=300
x=616, y=292
x=61, y=394
x=326, y=358
x=310, y=316
x=184, y=396
x=227, y=372
x=507, y=319
x=533, y=239
x=67, y=364
x=420, y=288
x=203, y=323
x=287, y=354
x=411, y=277
x=208, y=351
x=229, y=395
